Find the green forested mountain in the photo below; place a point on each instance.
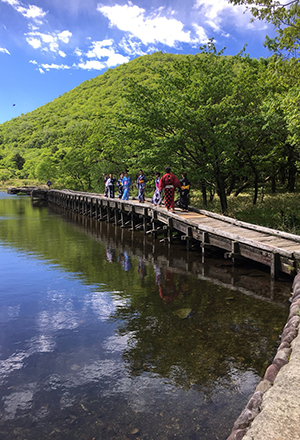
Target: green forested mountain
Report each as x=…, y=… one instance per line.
x=40, y=144
x=231, y=122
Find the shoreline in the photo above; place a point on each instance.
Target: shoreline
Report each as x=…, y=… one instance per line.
x=272, y=413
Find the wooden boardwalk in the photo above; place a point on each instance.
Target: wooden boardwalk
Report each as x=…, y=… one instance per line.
x=278, y=250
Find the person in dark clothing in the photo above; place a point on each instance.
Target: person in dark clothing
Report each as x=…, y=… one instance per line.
x=110, y=183
x=141, y=185
x=184, y=192
x=120, y=185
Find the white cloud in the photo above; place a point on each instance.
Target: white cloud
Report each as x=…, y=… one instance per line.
x=3, y=50
x=115, y=59
x=105, y=49
x=153, y=28
x=91, y=65
x=201, y=34
x=99, y=49
x=78, y=52
x=34, y=42
x=221, y=13
x=48, y=42
x=64, y=36
x=11, y=2
x=30, y=12
x=131, y=46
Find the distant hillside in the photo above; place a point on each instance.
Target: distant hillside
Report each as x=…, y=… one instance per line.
x=48, y=130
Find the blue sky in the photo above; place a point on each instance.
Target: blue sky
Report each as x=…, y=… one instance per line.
x=48, y=47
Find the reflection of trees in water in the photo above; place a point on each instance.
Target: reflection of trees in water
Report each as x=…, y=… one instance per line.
x=227, y=331
x=197, y=338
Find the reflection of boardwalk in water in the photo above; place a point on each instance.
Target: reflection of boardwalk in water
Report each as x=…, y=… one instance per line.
x=246, y=279
x=278, y=250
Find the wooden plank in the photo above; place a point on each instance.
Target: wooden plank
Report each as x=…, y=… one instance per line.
x=251, y=226
x=241, y=239
x=280, y=243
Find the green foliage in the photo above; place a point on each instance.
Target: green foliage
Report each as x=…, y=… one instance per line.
x=230, y=122
x=285, y=16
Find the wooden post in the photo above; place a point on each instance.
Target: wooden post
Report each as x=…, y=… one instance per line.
x=122, y=219
x=235, y=251
x=117, y=216
x=170, y=230
x=189, y=237
x=96, y=209
x=145, y=220
x=132, y=218
x=153, y=225
x=275, y=264
x=205, y=240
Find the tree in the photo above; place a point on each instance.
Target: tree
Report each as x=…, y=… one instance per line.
x=285, y=16
x=205, y=113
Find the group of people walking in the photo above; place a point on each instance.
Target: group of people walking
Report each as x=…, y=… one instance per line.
x=124, y=184
x=168, y=183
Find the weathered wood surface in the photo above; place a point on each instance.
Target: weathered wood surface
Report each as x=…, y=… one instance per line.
x=26, y=190
x=279, y=250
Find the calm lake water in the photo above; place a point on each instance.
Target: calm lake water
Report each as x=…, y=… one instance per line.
x=108, y=334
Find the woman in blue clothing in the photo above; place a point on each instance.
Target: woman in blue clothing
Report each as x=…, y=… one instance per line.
x=126, y=182
x=141, y=185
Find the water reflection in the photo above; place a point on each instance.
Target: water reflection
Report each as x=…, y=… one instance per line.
x=100, y=327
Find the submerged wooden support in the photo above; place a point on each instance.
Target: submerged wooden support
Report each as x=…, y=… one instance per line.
x=275, y=265
x=188, y=238
x=132, y=214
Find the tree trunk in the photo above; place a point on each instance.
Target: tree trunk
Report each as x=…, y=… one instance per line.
x=292, y=171
x=273, y=184
x=221, y=188
x=255, y=172
x=204, y=194
x=241, y=188
x=255, y=188
x=231, y=184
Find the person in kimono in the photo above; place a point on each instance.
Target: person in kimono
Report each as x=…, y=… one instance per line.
x=141, y=185
x=110, y=183
x=126, y=182
x=120, y=185
x=156, y=199
x=168, y=183
x=184, y=192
